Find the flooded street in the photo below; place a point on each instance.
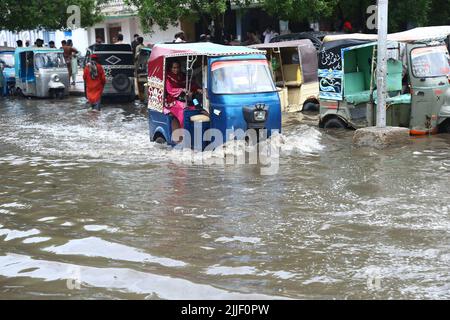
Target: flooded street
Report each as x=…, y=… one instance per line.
x=90, y=208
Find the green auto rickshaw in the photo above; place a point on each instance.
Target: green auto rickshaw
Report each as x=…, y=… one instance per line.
x=417, y=85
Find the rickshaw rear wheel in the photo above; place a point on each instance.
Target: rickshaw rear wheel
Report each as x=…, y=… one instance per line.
x=334, y=123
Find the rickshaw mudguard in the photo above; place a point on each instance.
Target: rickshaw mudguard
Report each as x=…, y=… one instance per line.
x=159, y=123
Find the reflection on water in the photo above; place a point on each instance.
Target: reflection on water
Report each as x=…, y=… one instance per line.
x=89, y=208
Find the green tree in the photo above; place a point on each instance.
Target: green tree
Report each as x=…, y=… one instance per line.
x=439, y=13
x=46, y=14
x=299, y=10
x=401, y=13
x=168, y=12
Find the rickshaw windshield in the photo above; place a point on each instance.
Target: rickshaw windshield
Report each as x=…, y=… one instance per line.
x=49, y=60
x=241, y=76
x=7, y=59
x=430, y=62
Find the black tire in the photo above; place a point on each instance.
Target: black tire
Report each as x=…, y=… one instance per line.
x=334, y=123
x=160, y=140
x=60, y=95
x=311, y=107
x=445, y=126
x=121, y=82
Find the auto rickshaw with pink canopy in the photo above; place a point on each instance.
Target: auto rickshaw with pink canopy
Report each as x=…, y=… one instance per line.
x=234, y=90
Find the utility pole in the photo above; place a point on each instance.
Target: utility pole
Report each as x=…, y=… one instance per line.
x=381, y=136
x=382, y=62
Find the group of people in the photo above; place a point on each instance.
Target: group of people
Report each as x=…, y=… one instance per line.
x=70, y=54
x=253, y=37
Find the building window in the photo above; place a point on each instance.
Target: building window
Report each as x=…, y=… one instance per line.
x=100, y=34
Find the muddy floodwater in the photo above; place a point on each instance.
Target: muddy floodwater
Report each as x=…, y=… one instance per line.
x=91, y=209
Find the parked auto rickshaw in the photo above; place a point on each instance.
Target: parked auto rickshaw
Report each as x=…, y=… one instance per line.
x=238, y=91
x=7, y=69
x=294, y=69
x=118, y=62
x=142, y=72
x=417, y=85
x=41, y=72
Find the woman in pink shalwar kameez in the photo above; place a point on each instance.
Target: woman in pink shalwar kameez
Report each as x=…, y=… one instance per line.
x=176, y=87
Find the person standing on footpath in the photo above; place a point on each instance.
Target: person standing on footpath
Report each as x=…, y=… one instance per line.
x=69, y=51
x=134, y=44
x=74, y=63
x=141, y=87
x=95, y=80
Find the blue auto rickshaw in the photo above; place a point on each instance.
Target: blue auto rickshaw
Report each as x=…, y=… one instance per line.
x=41, y=72
x=7, y=69
x=239, y=94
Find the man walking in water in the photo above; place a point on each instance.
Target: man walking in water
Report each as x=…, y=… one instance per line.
x=94, y=79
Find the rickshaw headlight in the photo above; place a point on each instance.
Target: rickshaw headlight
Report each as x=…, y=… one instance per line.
x=260, y=115
x=55, y=78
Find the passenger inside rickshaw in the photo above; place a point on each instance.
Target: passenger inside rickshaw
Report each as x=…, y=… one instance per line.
x=183, y=90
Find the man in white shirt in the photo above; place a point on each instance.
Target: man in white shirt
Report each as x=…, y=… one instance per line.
x=269, y=34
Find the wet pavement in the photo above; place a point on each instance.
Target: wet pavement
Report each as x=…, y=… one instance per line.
x=90, y=208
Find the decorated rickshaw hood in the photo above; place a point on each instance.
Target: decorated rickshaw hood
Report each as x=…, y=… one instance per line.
x=160, y=52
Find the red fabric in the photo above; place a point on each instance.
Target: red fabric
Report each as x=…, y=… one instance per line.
x=175, y=84
x=348, y=26
x=94, y=87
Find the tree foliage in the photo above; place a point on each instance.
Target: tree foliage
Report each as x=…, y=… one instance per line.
x=51, y=14
x=46, y=14
x=298, y=10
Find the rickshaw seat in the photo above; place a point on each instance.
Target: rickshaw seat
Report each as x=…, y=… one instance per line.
x=200, y=118
x=292, y=75
x=401, y=99
x=358, y=98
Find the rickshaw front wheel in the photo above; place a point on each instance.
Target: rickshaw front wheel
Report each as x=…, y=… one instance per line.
x=334, y=123
x=160, y=140
x=445, y=126
x=60, y=94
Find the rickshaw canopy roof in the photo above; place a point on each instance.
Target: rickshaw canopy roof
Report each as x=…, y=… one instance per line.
x=200, y=49
x=421, y=34
x=39, y=50
x=413, y=35
x=283, y=44
x=110, y=47
x=7, y=49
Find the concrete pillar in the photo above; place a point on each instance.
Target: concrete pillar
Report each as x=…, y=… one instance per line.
x=382, y=62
